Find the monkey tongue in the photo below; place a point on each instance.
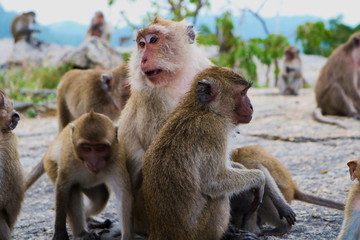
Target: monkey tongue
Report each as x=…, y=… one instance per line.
x=153, y=72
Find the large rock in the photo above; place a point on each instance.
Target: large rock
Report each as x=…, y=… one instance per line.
x=93, y=53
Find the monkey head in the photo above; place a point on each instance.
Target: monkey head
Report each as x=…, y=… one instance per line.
x=225, y=92
x=291, y=53
x=94, y=140
x=162, y=50
x=9, y=118
x=354, y=169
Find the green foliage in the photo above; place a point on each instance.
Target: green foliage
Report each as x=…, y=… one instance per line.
x=13, y=80
x=31, y=113
x=126, y=56
x=317, y=39
x=206, y=37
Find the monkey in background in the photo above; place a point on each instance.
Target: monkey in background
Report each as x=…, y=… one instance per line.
x=99, y=27
x=280, y=190
x=350, y=229
x=337, y=89
x=84, y=159
x=104, y=91
x=291, y=79
x=22, y=28
x=11, y=175
x=187, y=173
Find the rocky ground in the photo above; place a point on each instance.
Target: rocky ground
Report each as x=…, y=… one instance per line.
x=316, y=155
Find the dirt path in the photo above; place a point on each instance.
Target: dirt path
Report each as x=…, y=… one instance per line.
x=315, y=154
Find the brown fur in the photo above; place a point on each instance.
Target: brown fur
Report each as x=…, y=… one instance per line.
x=11, y=175
x=80, y=91
x=338, y=87
x=187, y=175
x=21, y=27
x=154, y=97
x=69, y=170
x=256, y=157
x=291, y=79
x=353, y=195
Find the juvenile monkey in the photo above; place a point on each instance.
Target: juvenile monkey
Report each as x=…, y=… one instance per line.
x=279, y=187
x=84, y=159
x=348, y=228
x=99, y=27
x=22, y=28
x=337, y=89
x=187, y=173
x=82, y=90
x=291, y=79
x=11, y=175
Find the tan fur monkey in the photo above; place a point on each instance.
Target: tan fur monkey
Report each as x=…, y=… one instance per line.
x=337, y=89
x=279, y=187
x=11, y=175
x=84, y=159
x=187, y=173
x=82, y=90
x=347, y=233
x=22, y=28
x=291, y=79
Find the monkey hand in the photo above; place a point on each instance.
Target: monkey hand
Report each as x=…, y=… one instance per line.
x=233, y=233
x=237, y=165
x=258, y=196
x=287, y=213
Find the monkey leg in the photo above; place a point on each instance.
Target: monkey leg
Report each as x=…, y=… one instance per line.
x=5, y=231
x=77, y=216
x=64, y=115
x=336, y=102
x=99, y=197
x=269, y=214
x=234, y=233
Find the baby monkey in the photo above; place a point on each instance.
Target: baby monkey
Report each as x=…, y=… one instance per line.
x=11, y=175
x=187, y=174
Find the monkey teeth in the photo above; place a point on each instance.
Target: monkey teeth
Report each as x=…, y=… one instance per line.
x=153, y=72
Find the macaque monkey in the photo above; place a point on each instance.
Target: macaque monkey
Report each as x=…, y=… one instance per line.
x=350, y=229
x=337, y=89
x=161, y=69
x=84, y=159
x=104, y=91
x=11, y=172
x=280, y=190
x=291, y=79
x=99, y=28
x=187, y=173
x=22, y=28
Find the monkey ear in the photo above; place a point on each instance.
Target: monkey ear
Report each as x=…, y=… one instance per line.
x=106, y=81
x=352, y=167
x=191, y=33
x=205, y=91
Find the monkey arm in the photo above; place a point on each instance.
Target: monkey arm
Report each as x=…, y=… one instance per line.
x=277, y=198
x=120, y=183
x=230, y=181
x=237, y=165
x=62, y=201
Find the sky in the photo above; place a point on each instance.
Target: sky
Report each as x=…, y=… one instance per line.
x=81, y=11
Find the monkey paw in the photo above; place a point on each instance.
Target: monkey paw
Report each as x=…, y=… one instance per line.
x=98, y=223
x=287, y=213
x=257, y=199
x=234, y=233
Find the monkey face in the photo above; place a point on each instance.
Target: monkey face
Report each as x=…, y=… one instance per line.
x=243, y=108
x=8, y=117
x=94, y=155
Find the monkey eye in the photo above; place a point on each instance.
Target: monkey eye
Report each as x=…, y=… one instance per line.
x=142, y=43
x=152, y=38
x=244, y=92
x=85, y=148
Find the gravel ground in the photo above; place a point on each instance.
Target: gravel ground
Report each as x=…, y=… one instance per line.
x=316, y=155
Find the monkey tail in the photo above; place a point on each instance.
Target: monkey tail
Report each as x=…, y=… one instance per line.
x=318, y=116
x=301, y=196
x=34, y=175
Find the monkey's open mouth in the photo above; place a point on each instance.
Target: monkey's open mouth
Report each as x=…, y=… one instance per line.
x=153, y=72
